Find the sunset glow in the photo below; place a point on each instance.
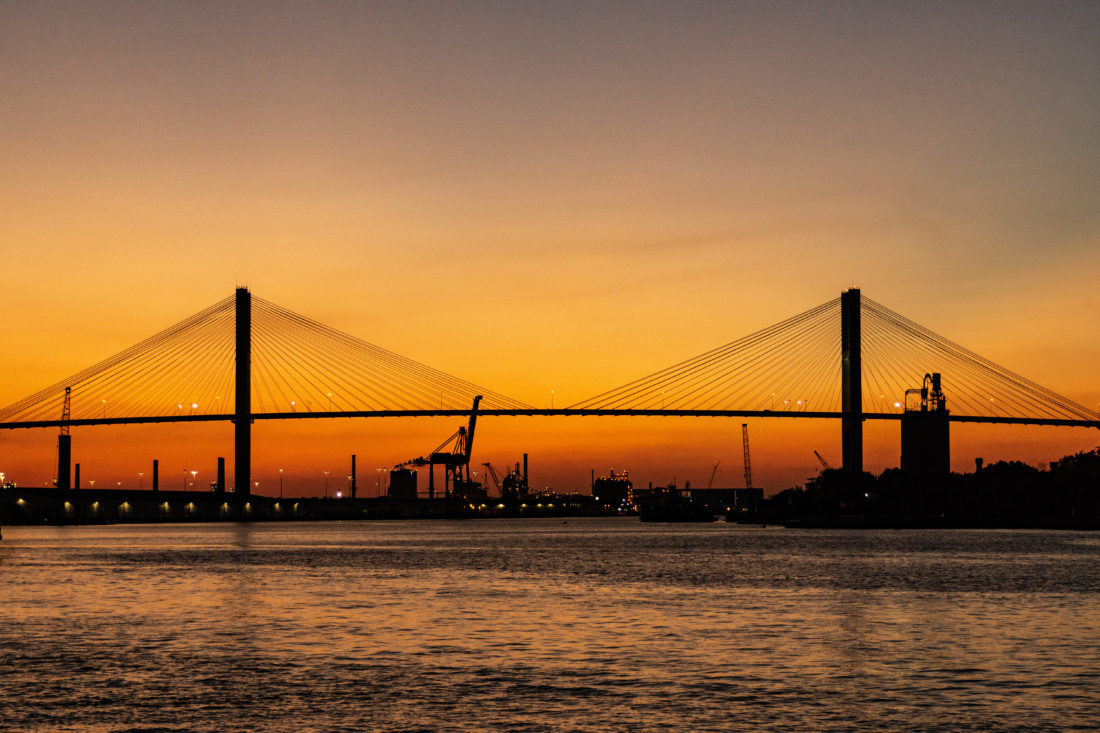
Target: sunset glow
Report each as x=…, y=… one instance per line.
x=548, y=202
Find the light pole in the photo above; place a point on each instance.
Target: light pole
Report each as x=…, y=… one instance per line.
x=326, y=482
x=378, y=488
x=551, y=399
x=280, y=483
x=141, y=480
x=193, y=475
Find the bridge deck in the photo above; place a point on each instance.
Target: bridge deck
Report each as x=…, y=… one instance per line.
x=533, y=412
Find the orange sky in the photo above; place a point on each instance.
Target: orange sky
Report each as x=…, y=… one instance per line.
x=561, y=198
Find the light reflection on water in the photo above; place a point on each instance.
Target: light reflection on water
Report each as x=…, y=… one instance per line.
x=590, y=625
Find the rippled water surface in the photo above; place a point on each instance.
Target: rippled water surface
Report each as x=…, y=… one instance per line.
x=532, y=625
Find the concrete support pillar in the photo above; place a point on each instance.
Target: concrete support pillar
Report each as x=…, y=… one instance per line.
x=156, y=475
x=851, y=383
x=242, y=414
x=352, y=475
x=221, y=474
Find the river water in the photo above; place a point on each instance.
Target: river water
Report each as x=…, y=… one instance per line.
x=546, y=625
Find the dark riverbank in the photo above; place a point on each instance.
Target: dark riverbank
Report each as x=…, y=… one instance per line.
x=1003, y=495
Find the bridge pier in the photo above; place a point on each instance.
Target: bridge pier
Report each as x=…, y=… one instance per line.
x=851, y=421
x=242, y=414
x=64, y=460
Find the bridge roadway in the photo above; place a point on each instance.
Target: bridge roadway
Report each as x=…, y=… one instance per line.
x=534, y=412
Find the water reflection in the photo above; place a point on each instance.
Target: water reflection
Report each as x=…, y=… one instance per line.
x=602, y=625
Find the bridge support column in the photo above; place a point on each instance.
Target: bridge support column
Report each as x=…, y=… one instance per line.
x=64, y=461
x=851, y=422
x=242, y=414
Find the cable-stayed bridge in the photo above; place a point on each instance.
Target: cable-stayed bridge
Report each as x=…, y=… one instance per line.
x=245, y=359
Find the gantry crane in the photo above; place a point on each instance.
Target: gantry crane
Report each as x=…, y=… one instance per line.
x=454, y=455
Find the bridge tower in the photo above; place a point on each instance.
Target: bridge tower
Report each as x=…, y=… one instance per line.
x=65, y=443
x=851, y=421
x=242, y=414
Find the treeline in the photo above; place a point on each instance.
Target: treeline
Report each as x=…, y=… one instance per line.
x=1003, y=494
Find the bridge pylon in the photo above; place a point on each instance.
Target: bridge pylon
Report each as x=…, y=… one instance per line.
x=851, y=421
x=242, y=414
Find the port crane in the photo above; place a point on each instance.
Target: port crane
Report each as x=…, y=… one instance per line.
x=748, y=464
x=713, y=473
x=824, y=463
x=493, y=476
x=513, y=487
x=454, y=455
